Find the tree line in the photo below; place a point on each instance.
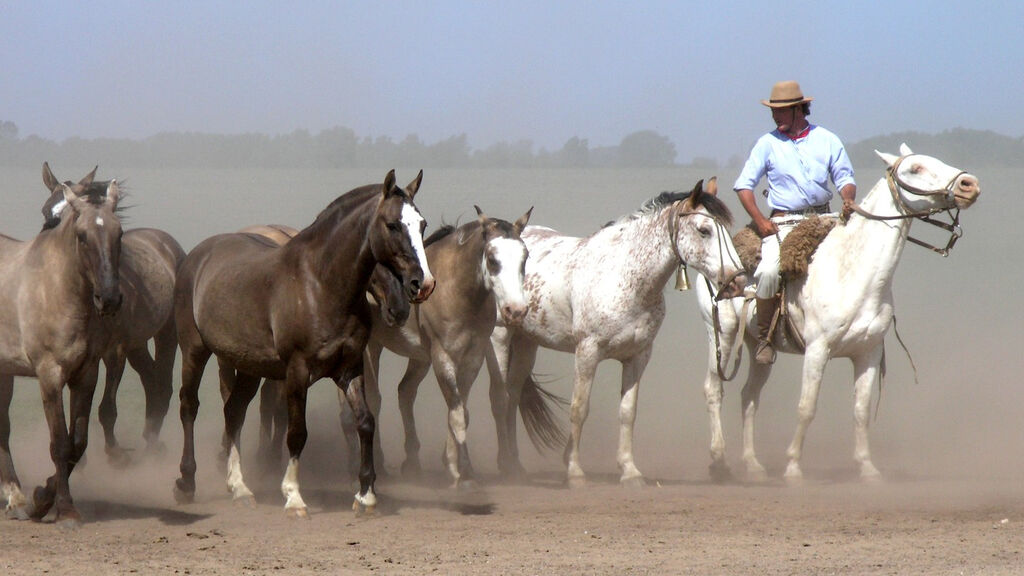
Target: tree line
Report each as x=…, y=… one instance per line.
x=341, y=147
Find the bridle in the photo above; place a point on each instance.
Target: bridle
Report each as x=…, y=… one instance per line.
x=673, y=229
x=895, y=183
x=717, y=295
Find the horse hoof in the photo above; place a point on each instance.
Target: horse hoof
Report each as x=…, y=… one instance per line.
x=119, y=458
x=41, y=503
x=69, y=522
x=577, y=482
x=247, y=501
x=16, y=513
x=720, y=472
x=466, y=485
x=156, y=449
x=301, y=513
x=183, y=495
x=361, y=510
x=757, y=475
x=411, y=469
x=633, y=482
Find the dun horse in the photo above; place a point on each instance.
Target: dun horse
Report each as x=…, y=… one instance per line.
x=481, y=265
x=54, y=294
x=149, y=262
x=297, y=312
x=602, y=297
x=842, y=308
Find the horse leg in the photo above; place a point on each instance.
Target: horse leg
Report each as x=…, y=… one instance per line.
x=193, y=360
x=273, y=422
x=159, y=385
x=586, y=366
x=296, y=386
x=866, y=370
x=497, y=370
x=521, y=359
x=750, y=398
x=365, y=426
x=632, y=370
x=51, y=387
x=242, y=393
x=227, y=377
x=455, y=378
x=371, y=390
x=9, y=483
x=415, y=372
x=114, y=361
x=814, y=367
x=713, y=388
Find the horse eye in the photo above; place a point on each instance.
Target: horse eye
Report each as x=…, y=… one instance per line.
x=493, y=266
x=916, y=169
x=705, y=231
x=394, y=226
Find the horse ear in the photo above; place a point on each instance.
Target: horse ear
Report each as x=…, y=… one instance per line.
x=520, y=224
x=113, y=192
x=71, y=197
x=88, y=178
x=712, y=186
x=889, y=159
x=905, y=150
x=695, y=194
x=389, y=181
x=414, y=186
x=480, y=215
x=49, y=180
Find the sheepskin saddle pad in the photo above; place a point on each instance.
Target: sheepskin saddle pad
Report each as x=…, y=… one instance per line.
x=797, y=248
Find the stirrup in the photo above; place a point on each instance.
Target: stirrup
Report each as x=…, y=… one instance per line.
x=764, y=353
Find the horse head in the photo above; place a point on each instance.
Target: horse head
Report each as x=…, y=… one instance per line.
x=387, y=291
x=396, y=238
x=923, y=184
x=504, y=264
x=97, y=229
x=55, y=204
x=701, y=238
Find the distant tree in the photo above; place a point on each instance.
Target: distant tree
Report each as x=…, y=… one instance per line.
x=575, y=153
x=8, y=130
x=646, y=148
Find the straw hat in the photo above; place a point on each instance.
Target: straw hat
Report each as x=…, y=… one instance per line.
x=784, y=94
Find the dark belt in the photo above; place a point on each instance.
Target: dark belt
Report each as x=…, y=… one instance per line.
x=819, y=209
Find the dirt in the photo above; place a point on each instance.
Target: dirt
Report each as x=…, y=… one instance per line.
x=832, y=524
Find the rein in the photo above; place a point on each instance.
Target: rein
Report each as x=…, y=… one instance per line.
x=895, y=184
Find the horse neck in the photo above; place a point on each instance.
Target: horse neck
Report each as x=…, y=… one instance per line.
x=874, y=247
x=650, y=258
x=335, y=252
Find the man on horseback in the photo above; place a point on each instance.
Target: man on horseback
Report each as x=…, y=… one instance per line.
x=797, y=159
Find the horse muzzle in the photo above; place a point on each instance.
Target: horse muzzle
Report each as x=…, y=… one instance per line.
x=423, y=290
x=966, y=191
x=513, y=314
x=107, y=304
x=733, y=286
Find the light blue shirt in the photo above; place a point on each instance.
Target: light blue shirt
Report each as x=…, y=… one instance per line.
x=797, y=171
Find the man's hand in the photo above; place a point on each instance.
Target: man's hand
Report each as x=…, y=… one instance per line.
x=847, y=211
x=765, y=227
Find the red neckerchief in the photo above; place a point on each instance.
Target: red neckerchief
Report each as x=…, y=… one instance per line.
x=802, y=133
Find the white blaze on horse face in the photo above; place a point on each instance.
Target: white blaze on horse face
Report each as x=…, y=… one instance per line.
x=58, y=208
x=413, y=221
x=99, y=221
x=503, y=265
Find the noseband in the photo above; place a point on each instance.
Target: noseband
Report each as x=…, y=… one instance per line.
x=895, y=183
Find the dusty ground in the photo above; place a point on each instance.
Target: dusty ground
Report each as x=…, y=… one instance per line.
x=831, y=525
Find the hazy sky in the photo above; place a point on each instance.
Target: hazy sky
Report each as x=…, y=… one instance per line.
x=509, y=71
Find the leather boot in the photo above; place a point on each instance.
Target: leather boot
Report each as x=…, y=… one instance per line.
x=766, y=308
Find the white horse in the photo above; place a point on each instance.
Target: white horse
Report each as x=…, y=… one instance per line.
x=842, y=308
x=602, y=297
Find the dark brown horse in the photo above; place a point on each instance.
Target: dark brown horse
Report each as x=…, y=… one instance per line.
x=297, y=313
x=54, y=291
x=149, y=262
x=394, y=307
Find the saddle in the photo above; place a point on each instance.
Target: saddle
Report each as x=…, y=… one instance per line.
x=795, y=254
x=796, y=251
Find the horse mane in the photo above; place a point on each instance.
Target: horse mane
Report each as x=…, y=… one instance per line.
x=436, y=235
x=340, y=207
x=709, y=202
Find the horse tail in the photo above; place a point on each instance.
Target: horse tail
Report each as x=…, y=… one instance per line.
x=535, y=406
